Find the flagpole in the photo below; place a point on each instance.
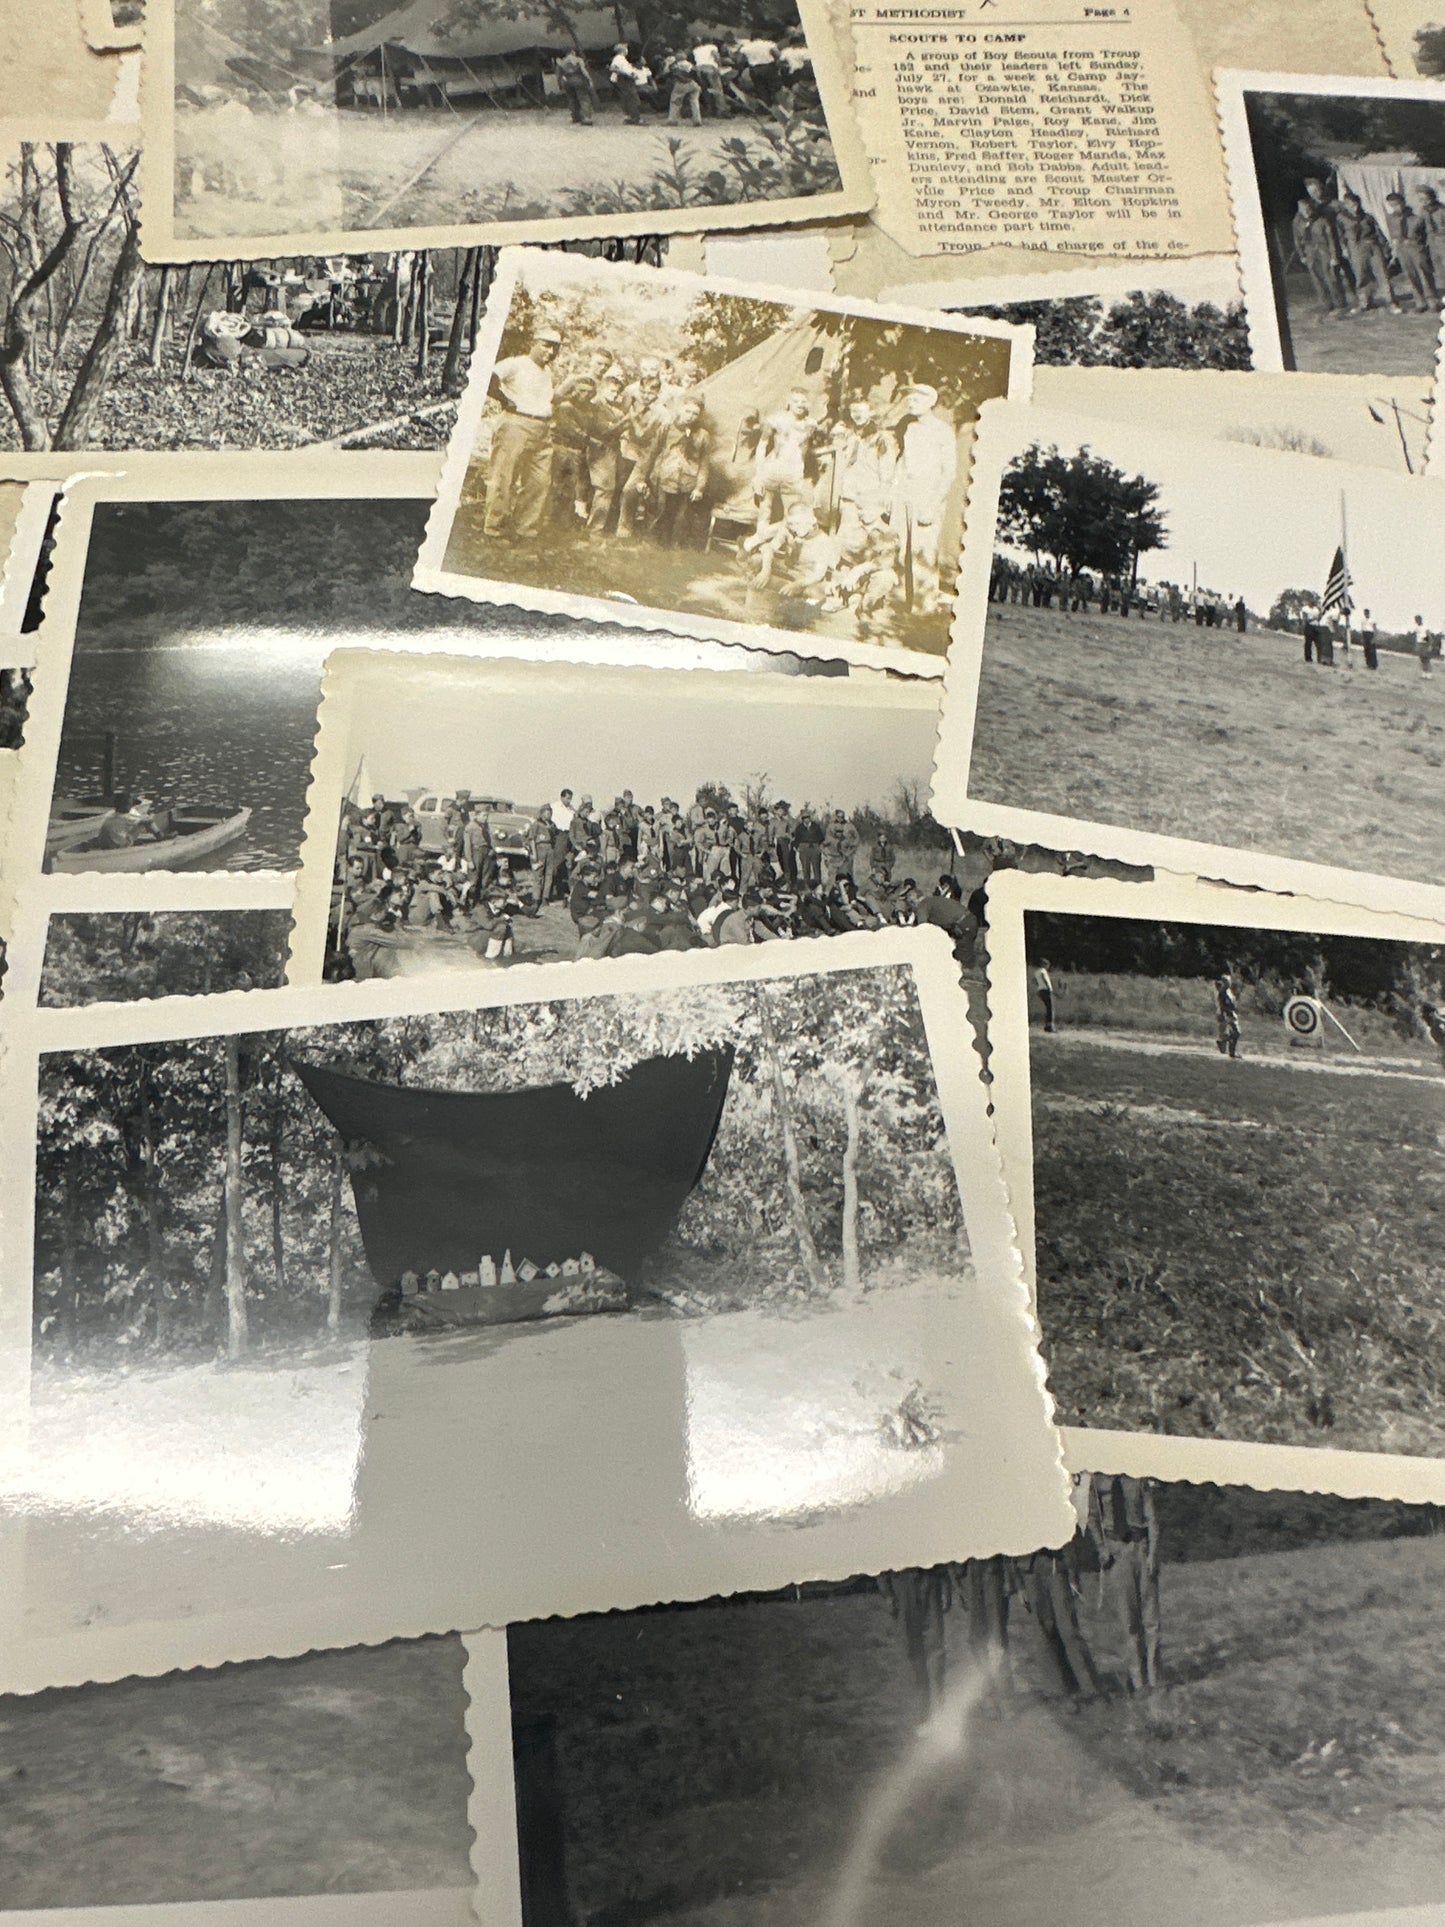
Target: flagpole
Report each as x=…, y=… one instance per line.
x=1349, y=580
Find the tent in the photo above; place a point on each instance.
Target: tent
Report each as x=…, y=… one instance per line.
x=411, y=57
x=1384, y=174
x=744, y=392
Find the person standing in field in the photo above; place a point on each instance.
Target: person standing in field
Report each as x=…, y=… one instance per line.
x=626, y=79
x=1367, y=253
x=1410, y=239
x=1123, y=1528
x=1226, y=1016
x=684, y=99
x=1368, y=640
x=1044, y=986
x=1316, y=250
x=574, y=77
x=519, y=470
x=1048, y=1580
x=926, y=471
x=1424, y=644
x=919, y=1596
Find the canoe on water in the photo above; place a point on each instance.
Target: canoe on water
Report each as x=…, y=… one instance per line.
x=194, y=834
x=73, y=822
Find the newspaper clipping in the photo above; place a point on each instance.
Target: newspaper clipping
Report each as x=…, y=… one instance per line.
x=1053, y=125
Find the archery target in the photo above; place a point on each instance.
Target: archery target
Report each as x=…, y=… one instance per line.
x=1302, y=1017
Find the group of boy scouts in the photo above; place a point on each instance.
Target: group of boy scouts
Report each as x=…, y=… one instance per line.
x=1353, y=260
x=715, y=72
x=634, y=879
x=1114, y=1553
x=847, y=508
x=1040, y=585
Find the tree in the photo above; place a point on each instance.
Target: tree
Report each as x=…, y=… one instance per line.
x=1080, y=511
x=34, y=264
x=1290, y=606
x=721, y=328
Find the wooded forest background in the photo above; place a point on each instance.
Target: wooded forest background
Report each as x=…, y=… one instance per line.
x=97, y=350
x=119, y=956
x=191, y=1198
x=1390, y=977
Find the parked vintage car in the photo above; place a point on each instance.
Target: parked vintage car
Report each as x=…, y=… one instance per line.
x=510, y=826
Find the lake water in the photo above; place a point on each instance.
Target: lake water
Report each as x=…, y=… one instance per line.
x=219, y=721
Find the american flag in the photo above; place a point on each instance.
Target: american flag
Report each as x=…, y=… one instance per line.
x=1337, y=587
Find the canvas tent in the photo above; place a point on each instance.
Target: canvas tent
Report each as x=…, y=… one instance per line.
x=412, y=57
x=743, y=393
x=1380, y=175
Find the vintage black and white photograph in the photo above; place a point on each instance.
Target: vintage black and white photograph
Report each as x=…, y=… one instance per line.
x=1237, y=1143
x=1188, y=316
x=117, y=956
x=315, y=351
x=190, y=711
x=1337, y=189
x=475, y=815
x=683, y=1265
x=467, y=119
x=674, y=450
x=338, y=1773
x=1200, y=655
x=1211, y=1705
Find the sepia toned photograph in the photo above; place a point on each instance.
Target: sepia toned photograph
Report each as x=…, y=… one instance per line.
x=1181, y=648
x=459, y=120
x=280, y=1265
x=477, y=815
x=673, y=451
x=117, y=956
x=338, y=1773
x=1337, y=189
x=1236, y=1143
x=1210, y=1705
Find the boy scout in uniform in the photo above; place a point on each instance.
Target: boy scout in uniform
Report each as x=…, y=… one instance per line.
x=1123, y=1528
x=1409, y=237
x=1366, y=252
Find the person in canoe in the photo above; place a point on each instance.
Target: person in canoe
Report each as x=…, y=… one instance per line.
x=136, y=820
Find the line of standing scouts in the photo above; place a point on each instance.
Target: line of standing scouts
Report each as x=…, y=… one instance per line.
x=1351, y=258
x=1117, y=1536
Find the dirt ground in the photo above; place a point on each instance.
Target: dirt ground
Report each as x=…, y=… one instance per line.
x=718, y=1765
x=707, y=582
x=1213, y=736
x=1376, y=343
x=239, y=173
x=339, y=1772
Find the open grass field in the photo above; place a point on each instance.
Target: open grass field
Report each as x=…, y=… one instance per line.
x=717, y=1764
x=1213, y=736
x=1240, y=1249
x=1181, y=1009
x=336, y=1773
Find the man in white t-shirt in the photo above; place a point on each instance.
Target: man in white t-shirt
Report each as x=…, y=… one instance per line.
x=519, y=471
x=708, y=62
x=927, y=469
x=760, y=64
